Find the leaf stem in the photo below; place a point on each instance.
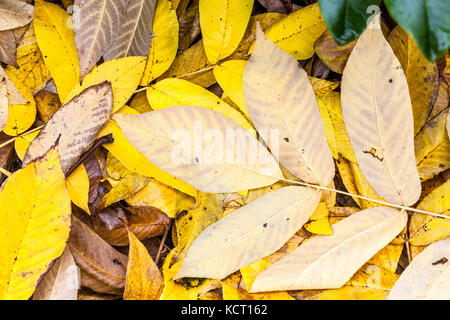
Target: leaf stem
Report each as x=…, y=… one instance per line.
x=20, y=135
x=163, y=242
x=400, y=207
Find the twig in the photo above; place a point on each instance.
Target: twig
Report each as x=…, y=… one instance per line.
x=99, y=142
x=20, y=135
x=5, y=172
x=163, y=241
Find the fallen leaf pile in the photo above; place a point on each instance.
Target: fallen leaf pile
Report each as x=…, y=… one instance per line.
x=226, y=149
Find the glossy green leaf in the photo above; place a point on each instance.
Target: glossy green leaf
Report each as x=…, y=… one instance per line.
x=347, y=19
x=427, y=21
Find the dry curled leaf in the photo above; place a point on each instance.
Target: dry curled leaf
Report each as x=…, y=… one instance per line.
x=75, y=130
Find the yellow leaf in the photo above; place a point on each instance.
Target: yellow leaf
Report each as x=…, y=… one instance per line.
x=128, y=184
x=164, y=44
x=432, y=144
x=323, y=87
x=77, y=183
x=189, y=226
x=23, y=142
x=234, y=289
x=229, y=76
x=297, y=32
x=140, y=103
x=20, y=116
x=35, y=211
x=425, y=229
x=32, y=72
x=223, y=26
x=328, y=123
x=124, y=74
x=185, y=289
x=57, y=43
x=144, y=280
x=318, y=222
x=422, y=75
x=389, y=256
x=332, y=102
x=177, y=92
x=134, y=161
x=47, y=103
x=163, y=197
x=78, y=186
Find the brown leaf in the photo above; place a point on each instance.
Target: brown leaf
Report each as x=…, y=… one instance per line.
x=103, y=268
x=95, y=176
x=14, y=14
x=111, y=223
x=77, y=123
x=8, y=48
x=47, y=103
x=6, y=154
x=134, y=36
x=280, y=6
x=332, y=55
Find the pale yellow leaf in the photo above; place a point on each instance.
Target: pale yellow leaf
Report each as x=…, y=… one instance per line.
x=428, y=275
x=249, y=233
x=378, y=117
x=169, y=139
x=280, y=98
x=325, y=262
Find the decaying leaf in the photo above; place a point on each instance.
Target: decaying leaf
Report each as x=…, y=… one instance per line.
x=14, y=14
x=8, y=47
x=378, y=117
x=334, y=56
x=103, y=268
x=135, y=32
x=77, y=130
x=99, y=25
x=61, y=282
x=31, y=72
x=425, y=230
